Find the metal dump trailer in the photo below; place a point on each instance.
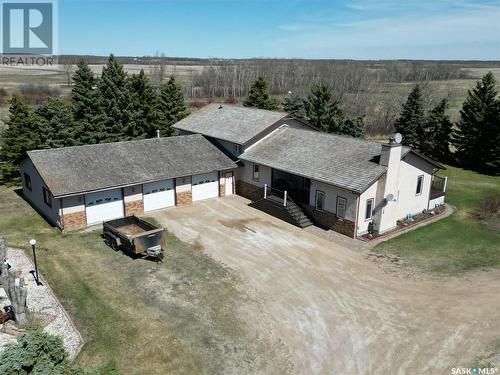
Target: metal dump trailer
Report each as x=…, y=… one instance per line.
x=135, y=236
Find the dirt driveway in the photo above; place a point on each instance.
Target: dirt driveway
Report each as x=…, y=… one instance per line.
x=335, y=311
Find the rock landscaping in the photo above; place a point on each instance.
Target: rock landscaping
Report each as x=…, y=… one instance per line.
x=44, y=308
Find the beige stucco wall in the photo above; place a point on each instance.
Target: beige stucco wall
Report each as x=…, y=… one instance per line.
x=370, y=193
x=408, y=202
x=35, y=195
x=331, y=194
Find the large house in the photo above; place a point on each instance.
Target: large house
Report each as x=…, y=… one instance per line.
x=286, y=168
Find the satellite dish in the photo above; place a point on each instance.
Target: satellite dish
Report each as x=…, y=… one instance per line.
x=398, y=137
x=390, y=197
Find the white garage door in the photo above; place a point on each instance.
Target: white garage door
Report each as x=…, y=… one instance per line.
x=103, y=205
x=205, y=186
x=158, y=195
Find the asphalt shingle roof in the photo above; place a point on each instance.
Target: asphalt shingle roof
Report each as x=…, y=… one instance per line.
x=231, y=122
x=346, y=162
x=78, y=169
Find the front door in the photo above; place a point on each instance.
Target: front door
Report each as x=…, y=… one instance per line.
x=229, y=183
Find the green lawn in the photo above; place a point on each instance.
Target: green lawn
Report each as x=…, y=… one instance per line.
x=457, y=243
x=182, y=316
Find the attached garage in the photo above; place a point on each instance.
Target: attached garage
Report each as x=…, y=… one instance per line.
x=90, y=184
x=103, y=205
x=160, y=194
x=205, y=186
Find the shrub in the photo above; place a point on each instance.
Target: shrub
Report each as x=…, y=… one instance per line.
x=37, y=352
x=36, y=94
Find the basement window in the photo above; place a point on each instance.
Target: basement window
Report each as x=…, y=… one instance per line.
x=341, y=207
x=27, y=182
x=47, y=199
x=420, y=184
x=369, y=209
x=256, y=172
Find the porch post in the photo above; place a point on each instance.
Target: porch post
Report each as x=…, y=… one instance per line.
x=445, y=183
x=265, y=191
x=284, y=199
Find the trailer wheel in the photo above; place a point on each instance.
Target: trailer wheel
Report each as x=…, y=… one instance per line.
x=114, y=246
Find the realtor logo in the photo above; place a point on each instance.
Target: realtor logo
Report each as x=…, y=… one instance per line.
x=28, y=27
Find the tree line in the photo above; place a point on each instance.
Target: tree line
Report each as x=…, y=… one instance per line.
x=113, y=107
x=117, y=106
x=475, y=137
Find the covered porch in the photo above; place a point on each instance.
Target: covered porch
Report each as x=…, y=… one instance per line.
x=297, y=187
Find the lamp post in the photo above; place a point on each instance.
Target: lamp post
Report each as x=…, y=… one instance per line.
x=35, y=273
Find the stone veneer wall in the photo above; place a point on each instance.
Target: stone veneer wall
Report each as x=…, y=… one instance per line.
x=134, y=207
x=183, y=198
x=222, y=190
x=247, y=190
x=330, y=221
x=74, y=221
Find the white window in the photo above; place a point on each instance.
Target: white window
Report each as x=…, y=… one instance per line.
x=369, y=209
x=341, y=207
x=256, y=172
x=420, y=184
x=320, y=200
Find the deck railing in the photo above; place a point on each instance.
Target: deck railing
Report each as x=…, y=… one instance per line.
x=438, y=186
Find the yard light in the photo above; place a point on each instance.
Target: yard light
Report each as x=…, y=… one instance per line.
x=35, y=272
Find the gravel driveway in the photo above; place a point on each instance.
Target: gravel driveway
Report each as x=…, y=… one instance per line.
x=335, y=311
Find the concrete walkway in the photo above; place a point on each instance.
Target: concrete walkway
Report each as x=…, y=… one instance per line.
x=360, y=245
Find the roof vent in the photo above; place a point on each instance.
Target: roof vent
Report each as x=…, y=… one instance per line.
x=220, y=106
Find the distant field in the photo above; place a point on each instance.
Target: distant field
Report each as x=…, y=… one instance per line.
x=366, y=101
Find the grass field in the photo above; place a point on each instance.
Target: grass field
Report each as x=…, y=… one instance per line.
x=177, y=317
x=458, y=243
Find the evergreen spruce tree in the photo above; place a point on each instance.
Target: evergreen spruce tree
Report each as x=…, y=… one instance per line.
x=115, y=103
x=259, y=96
x=172, y=106
x=57, y=127
x=85, y=100
x=20, y=136
x=353, y=127
x=493, y=164
x=436, y=137
x=477, y=134
x=411, y=120
x=145, y=108
x=294, y=105
x=322, y=111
